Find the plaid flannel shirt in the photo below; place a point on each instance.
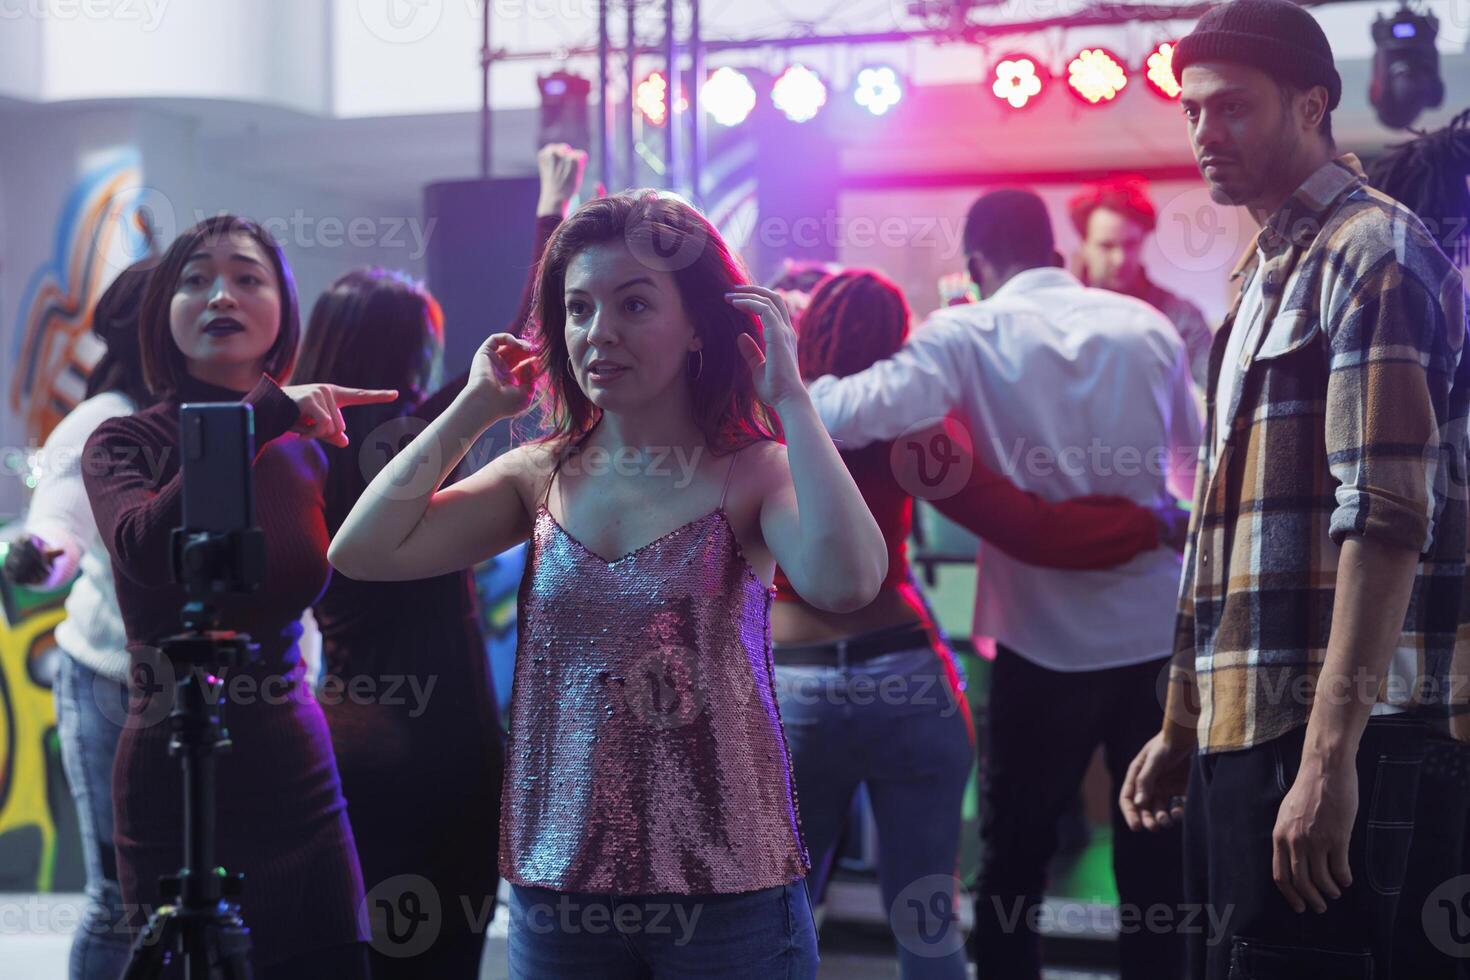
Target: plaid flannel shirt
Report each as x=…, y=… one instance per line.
x=1349, y=419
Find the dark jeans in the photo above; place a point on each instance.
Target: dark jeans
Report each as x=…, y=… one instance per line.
x=1230, y=813
x=1043, y=727
x=760, y=935
x=1433, y=933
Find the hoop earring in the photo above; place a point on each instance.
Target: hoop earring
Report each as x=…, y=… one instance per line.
x=570, y=373
x=699, y=370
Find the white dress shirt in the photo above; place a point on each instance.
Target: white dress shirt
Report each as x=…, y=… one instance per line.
x=1068, y=391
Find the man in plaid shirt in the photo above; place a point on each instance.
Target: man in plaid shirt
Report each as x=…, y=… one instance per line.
x=1322, y=587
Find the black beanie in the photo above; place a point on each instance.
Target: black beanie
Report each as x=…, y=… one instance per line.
x=1276, y=36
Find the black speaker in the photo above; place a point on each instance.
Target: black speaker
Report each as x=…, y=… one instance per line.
x=480, y=240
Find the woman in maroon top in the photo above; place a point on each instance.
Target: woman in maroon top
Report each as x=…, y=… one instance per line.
x=219, y=320
x=873, y=697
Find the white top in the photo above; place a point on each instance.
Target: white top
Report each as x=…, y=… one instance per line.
x=61, y=515
x=1068, y=391
x=1247, y=323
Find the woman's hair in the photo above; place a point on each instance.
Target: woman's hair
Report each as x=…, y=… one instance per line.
x=667, y=234
x=164, y=367
x=373, y=328
x=1428, y=176
x=856, y=318
x=115, y=322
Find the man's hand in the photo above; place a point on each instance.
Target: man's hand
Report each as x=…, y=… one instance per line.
x=1309, y=847
x=1153, y=790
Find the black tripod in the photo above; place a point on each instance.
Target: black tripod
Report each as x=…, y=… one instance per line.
x=203, y=921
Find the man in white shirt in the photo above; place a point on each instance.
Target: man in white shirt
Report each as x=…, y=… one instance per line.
x=1069, y=391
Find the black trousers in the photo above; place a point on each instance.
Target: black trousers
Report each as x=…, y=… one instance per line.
x=1432, y=941
x=1042, y=729
x=1230, y=813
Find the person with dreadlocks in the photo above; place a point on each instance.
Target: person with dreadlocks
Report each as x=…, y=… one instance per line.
x=1429, y=175
x=912, y=745
x=58, y=541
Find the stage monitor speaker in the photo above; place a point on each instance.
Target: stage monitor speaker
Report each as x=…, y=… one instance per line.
x=480, y=240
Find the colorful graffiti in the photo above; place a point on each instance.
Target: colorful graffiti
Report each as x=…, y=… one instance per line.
x=107, y=222
x=40, y=848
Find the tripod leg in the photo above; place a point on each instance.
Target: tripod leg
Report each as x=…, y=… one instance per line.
x=232, y=940
x=150, y=951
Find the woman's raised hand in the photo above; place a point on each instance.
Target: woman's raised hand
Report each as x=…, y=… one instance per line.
x=774, y=370
x=560, y=168
x=503, y=375
x=321, y=408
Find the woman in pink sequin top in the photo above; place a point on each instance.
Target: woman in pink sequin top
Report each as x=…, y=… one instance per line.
x=649, y=823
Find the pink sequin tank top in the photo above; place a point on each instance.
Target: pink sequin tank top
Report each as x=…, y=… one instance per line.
x=646, y=753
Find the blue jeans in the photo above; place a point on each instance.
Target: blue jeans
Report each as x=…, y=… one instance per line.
x=895, y=724
x=759, y=935
x=88, y=734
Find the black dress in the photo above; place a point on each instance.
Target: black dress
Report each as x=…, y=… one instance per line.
x=282, y=820
x=410, y=702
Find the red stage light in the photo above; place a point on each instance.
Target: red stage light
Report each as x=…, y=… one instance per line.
x=649, y=97
x=1095, y=76
x=1160, y=69
x=1017, y=81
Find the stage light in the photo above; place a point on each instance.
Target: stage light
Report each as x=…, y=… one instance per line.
x=1160, y=71
x=649, y=97
x=1095, y=76
x=1017, y=81
x=877, y=89
x=799, y=93
x=728, y=97
x=1406, y=78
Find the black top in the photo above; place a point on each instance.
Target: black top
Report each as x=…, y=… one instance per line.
x=407, y=692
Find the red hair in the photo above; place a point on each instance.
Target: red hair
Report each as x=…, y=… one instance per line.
x=1127, y=196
